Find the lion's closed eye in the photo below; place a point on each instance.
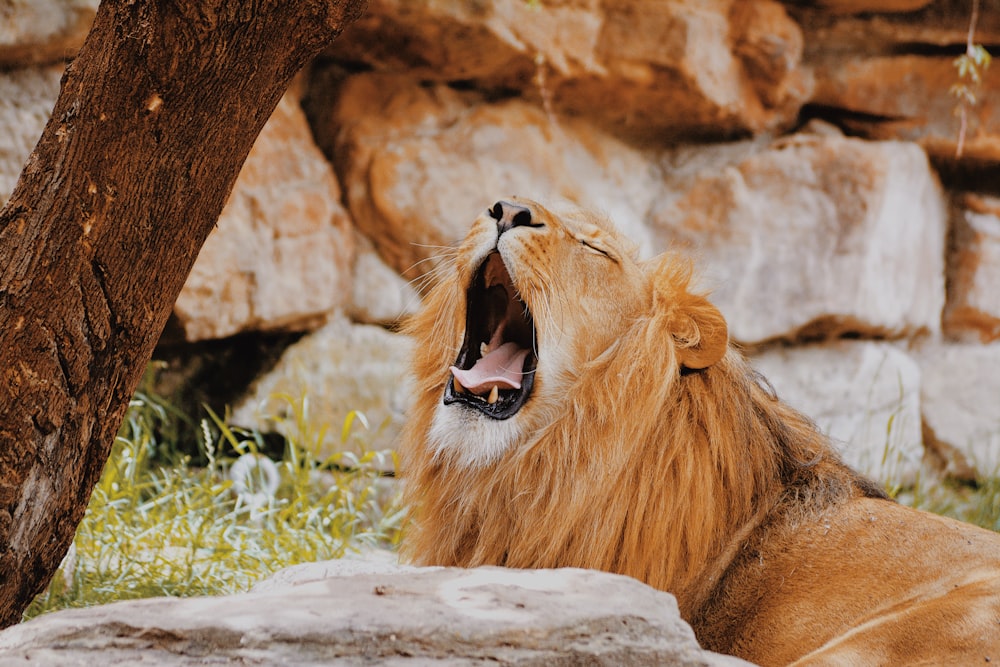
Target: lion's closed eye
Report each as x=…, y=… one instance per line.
x=597, y=248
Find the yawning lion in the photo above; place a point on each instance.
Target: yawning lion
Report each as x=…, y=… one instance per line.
x=577, y=407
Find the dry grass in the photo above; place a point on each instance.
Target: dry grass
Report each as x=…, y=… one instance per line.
x=156, y=527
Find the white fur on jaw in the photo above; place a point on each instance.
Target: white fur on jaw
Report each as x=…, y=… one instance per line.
x=471, y=438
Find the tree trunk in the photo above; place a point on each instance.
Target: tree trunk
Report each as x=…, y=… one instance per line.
x=154, y=120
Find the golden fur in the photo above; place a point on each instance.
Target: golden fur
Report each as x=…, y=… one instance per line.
x=648, y=447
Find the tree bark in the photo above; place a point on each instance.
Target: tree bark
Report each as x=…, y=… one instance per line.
x=154, y=120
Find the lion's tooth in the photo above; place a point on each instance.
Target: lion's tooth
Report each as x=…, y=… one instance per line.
x=494, y=395
x=483, y=349
x=458, y=385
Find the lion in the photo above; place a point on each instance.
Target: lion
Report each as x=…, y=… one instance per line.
x=577, y=407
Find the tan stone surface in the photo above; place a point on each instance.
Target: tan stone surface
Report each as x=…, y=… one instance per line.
x=26, y=100
x=379, y=295
x=673, y=69
x=814, y=236
x=280, y=256
x=907, y=97
x=338, y=368
x=960, y=397
x=418, y=164
x=43, y=31
x=394, y=617
x=973, y=308
x=865, y=395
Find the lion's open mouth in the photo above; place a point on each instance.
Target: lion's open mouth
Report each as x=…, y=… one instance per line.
x=495, y=369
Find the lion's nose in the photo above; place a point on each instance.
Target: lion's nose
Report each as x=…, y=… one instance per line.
x=510, y=215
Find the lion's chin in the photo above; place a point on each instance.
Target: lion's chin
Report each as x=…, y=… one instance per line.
x=467, y=439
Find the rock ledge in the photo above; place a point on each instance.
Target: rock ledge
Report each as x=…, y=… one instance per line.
x=391, y=616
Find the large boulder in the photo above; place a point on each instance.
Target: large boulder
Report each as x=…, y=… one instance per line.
x=319, y=380
x=865, y=395
x=889, y=26
x=379, y=295
x=907, y=97
x=26, y=100
x=431, y=616
x=673, y=69
x=43, y=31
x=960, y=395
x=419, y=163
x=813, y=236
x=890, y=76
x=973, y=308
x=280, y=256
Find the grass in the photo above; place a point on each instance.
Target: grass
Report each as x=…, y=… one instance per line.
x=159, y=524
x=977, y=503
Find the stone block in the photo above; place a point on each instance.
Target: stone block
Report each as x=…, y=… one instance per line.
x=814, y=236
x=430, y=616
x=864, y=395
x=280, y=256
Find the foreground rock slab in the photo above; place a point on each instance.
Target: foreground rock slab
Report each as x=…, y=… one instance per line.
x=395, y=617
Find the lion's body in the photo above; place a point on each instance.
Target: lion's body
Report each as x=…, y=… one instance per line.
x=865, y=582
x=647, y=447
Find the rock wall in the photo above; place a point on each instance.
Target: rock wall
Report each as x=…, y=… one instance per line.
x=804, y=152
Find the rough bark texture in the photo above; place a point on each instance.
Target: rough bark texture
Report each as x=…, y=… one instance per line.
x=154, y=120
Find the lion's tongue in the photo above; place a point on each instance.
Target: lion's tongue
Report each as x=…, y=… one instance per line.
x=501, y=367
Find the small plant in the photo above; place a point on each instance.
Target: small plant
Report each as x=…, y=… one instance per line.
x=971, y=67
x=157, y=527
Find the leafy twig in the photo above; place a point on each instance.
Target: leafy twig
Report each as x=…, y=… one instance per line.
x=971, y=66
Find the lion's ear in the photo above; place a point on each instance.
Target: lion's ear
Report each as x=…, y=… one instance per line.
x=698, y=329
x=699, y=332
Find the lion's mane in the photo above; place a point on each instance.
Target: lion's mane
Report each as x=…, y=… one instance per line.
x=643, y=471
x=629, y=436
